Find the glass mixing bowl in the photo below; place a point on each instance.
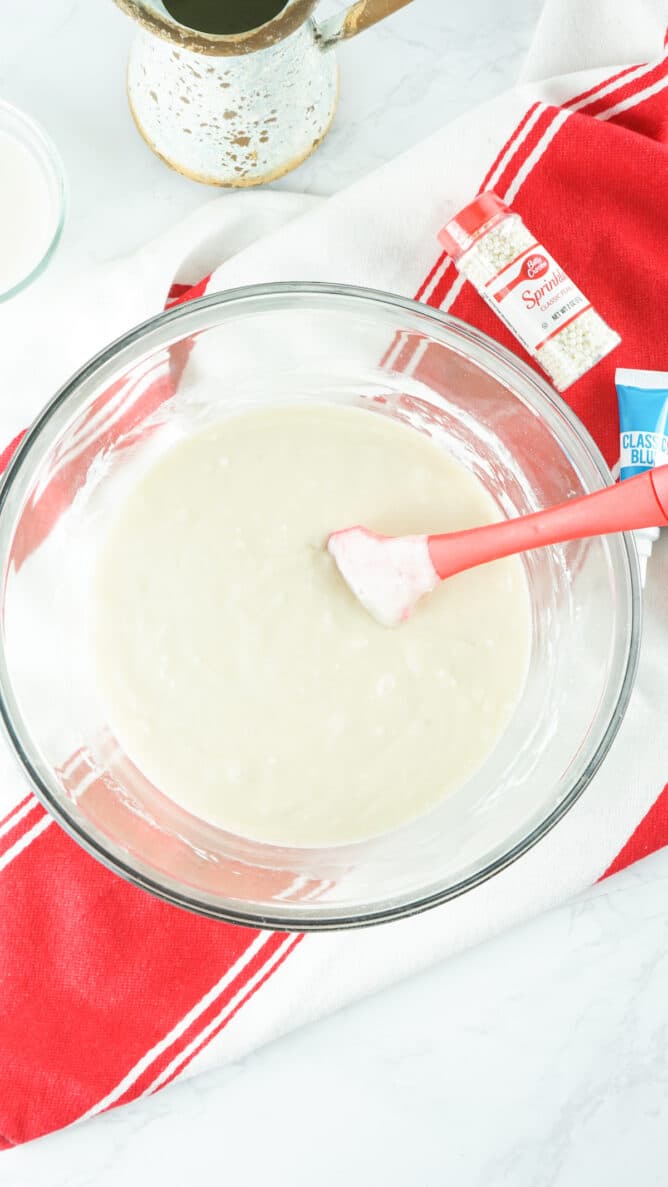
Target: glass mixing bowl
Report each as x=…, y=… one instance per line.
x=293, y=343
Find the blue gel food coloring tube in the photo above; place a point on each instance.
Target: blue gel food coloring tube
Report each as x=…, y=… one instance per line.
x=643, y=435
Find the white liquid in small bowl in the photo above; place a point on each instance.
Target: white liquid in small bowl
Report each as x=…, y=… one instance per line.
x=31, y=200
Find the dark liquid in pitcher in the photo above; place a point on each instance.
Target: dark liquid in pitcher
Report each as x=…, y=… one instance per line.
x=224, y=16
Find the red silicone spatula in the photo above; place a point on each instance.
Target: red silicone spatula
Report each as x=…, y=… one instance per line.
x=388, y=574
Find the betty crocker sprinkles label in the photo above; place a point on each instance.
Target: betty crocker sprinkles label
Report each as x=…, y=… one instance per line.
x=527, y=289
x=536, y=298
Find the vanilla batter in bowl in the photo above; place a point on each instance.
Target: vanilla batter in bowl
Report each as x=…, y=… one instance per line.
x=240, y=674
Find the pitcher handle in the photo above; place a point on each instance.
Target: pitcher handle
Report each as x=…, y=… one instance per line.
x=356, y=19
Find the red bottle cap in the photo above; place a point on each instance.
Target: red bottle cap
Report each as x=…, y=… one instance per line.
x=458, y=235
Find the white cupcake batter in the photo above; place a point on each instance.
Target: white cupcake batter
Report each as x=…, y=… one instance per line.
x=239, y=672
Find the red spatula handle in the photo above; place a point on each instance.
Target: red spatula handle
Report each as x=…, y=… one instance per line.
x=640, y=502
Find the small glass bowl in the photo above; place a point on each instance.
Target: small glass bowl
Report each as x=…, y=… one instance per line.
x=290, y=344
x=31, y=137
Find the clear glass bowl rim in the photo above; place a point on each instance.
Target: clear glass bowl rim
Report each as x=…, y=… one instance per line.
x=34, y=135
x=74, y=394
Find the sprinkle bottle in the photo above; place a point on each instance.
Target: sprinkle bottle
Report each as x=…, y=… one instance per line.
x=527, y=289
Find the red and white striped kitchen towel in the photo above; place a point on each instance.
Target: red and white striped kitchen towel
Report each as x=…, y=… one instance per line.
x=107, y=994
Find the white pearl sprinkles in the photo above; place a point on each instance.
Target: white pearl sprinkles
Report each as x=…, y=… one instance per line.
x=527, y=289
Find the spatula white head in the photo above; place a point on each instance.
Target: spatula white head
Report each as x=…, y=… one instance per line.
x=387, y=574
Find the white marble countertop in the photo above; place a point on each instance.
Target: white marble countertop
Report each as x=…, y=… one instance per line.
x=538, y=1059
